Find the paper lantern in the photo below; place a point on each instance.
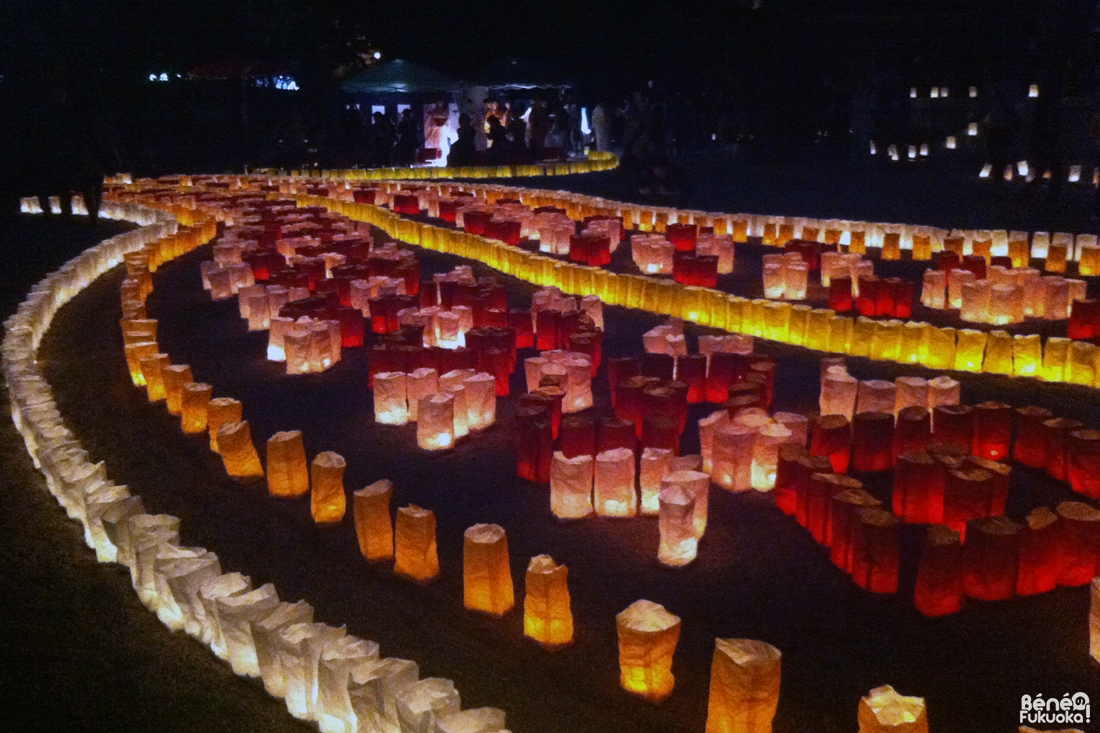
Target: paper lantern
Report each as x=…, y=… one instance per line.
x=648, y=635
x=838, y=395
x=577, y=436
x=235, y=614
x=766, y=455
x=918, y=488
x=335, y=710
x=968, y=493
x=732, y=455
x=571, y=486
x=152, y=370
x=239, y=456
x=992, y=430
x=698, y=485
x=194, y=402
x=872, y=441
x=327, y=500
x=1030, y=447
x=909, y=391
x=134, y=354
x=942, y=391
x=953, y=425
x=612, y=432
x=885, y=711
x=679, y=542
x=1040, y=553
x=175, y=376
x=1083, y=462
x=373, y=526
x=788, y=477
x=875, y=552
x=487, y=577
x=415, y=554
x=614, y=494
x=287, y=474
x=744, y=686
x=481, y=400
x=420, y=383
x=435, y=422
x=421, y=705
x=654, y=464
x=220, y=411
x=799, y=425
x=1056, y=432
x=991, y=558
x=1079, y=530
x=390, y=398
x=913, y=430
x=832, y=438
x=939, y=576
x=547, y=616
x=840, y=519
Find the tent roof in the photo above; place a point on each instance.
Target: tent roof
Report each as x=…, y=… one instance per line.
x=399, y=77
x=510, y=73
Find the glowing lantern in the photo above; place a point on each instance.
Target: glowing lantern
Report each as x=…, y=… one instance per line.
x=1027, y=355
x=873, y=441
x=648, y=635
x=766, y=455
x=838, y=395
x=242, y=463
x=918, y=488
x=1040, y=553
x=373, y=526
x=415, y=554
x=933, y=289
x=943, y=391
x=875, y=550
x=832, y=438
x=732, y=456
x=885, y=711
x=939, y=577
x=571, y=486
x=194, y=402
x=913, y=430
x=909, y=392
x=152, y=370
x=175, y=376
x=968, y=493
x=547, y=616
x=422, y=705
x=654, y=464
x=287, y=474
x=1079, y=526
x=840, y=520
x=420, y=383
x=1031, y=437
x=819, y=493
x=991, y=552
x=435, y=422
x=1057, y=432
x=744, y=686
x=220, y=411
x=679, y=539
x=390, y=398
x=327, y=500
x=614, y=494
x=487, y=577
x=798, y=425
x=697, y=484
x=876, y=395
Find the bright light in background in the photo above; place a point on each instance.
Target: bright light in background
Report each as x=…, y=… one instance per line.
x=286, y=83
x=377, y=55
x=584, y=122
x=164, y=77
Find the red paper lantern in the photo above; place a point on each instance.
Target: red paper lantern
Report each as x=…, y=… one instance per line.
x=918, y=488
x=535, y=444
x=1057, y=432
x=840, y=294
x=1040, y=553
x=807, y=467
x=661, y=431
x=992, y=431
x=682, y=236
x=720, y=375
x=1083, y=462
x=872, y=441
x=577, y=436
x=875, y=554
x=1084, y=319
x=953, y=425
x=939, y=588
x=912, y=431
x=1030, y=447
x=967, y=495
x=991, y=557
x=832, y=438
x=842, y=513
x=1079, y=534
x=692, y=370
x=819, y=497
x=613, y=432
x=787, y=469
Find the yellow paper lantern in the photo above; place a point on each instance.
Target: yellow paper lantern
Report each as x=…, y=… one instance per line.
x=220, y=411
x=648, y=635
x=796, y=327
x=152, y=369
x=857, y=244
x=613, y=493
x=885, y=711
x=238, y=453
x=859, y=343
x=547, y=615
x=1082, y=363
x=487, y=576
x=817, y=328
x=134, y=354
x=886, y=340
x=1055, y=359
x=327, y=500
x=1057, y=254
x=415, y=554
x=938, y=348
x=1027, y=355
x=744, y=686
x=373, y=526
x=912, y=337
x=194, y=404
x=679, y=543
x=999, y=350
x=969, y=350
x=175, y=376
x=891, y=246
x=571, y=486
x=287, y=474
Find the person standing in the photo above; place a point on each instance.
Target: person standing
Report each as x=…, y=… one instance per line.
x=601, y=127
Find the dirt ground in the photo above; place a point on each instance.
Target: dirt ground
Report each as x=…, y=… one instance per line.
x=758, y=574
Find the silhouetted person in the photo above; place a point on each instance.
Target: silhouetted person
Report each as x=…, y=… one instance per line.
x=463, y=150
x=408, y=139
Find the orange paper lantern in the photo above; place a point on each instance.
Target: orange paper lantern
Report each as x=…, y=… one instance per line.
x=287, y=474
x=194, y=403
x=648, y=635
x=744, y=686
x=373, y=525
x=547, y=616
x=415, y=554
x=238, y=453
x=327, y=500
x=487, y=576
